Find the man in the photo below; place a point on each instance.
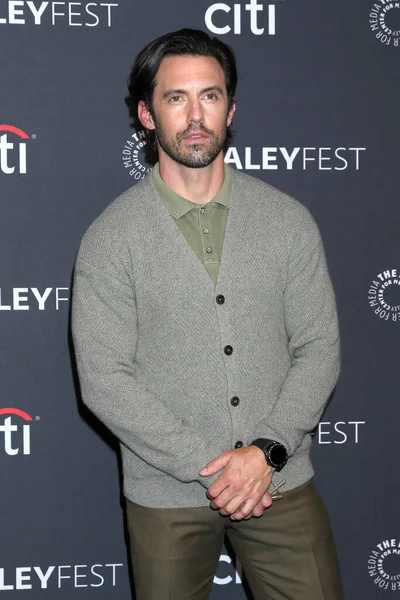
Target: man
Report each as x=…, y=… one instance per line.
x=206, y=340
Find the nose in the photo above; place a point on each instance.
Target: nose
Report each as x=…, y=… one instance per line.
x=195, y=112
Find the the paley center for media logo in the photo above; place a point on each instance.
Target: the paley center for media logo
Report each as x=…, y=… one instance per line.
x=384, y=21
x=134, y=155
x=72, y=14
x=15, y=429
x=384, y=565
x=13, y=153
x=384, y=295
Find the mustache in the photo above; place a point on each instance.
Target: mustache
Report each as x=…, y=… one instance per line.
x=194, y=127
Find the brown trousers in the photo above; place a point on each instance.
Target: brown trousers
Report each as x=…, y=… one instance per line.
x=287, y=554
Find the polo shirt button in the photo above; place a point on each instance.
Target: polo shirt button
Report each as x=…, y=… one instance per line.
x=228, y=350
x=220, y=299
x=235, y=401
x=209, y=249
x=238, y=444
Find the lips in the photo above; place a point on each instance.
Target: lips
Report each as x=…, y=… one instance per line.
x=195, y=136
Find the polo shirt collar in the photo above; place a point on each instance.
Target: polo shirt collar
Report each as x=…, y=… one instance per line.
x=178, y=205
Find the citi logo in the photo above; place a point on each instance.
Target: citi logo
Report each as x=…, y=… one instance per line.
x=17, y=437
x=12, y=150
x=260, y=19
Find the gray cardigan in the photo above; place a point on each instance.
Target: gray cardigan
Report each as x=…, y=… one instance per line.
x=150, y=338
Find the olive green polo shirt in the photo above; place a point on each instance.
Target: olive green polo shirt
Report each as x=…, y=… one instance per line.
x=203, y=225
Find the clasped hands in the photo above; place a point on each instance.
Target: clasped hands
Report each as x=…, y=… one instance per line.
x=241, y=489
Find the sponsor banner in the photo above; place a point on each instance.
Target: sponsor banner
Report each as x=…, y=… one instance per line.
x=384, y=565
x=339, y=432
x=253, y=16
x=60, y=577
x=73, y=14
x=23, y=298
x=384, y=21
x=384, y=295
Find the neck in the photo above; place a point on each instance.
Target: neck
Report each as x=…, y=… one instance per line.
x=197, y=185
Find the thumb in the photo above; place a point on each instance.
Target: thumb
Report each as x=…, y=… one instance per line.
x=216, y=465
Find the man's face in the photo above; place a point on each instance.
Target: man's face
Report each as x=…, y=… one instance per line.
x=190, y=109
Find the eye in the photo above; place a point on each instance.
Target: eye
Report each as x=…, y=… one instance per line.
x=175, y=98
x=211, y=96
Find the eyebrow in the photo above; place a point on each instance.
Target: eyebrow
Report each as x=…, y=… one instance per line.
x=213, y=88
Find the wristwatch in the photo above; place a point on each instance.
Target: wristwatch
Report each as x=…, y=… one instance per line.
x=275, y=453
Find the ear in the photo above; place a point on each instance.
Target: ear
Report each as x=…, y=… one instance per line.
x=144, y=115
x=231, y=113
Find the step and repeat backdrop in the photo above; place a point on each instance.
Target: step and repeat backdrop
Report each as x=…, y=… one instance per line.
x=318, y=117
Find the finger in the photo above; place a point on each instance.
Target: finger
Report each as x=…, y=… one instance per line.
x=216, y=465
x=231, y=492
x=218, y=487
x=245, y=509
x=258, y=510
x=227, y=478
x=231, y=506
x=225, y=497
x=266, y=500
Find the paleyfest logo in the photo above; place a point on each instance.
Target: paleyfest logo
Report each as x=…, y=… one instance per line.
x=267, y=158
x=72, y=14
x=384, y=21
x=55, y=577
x=24, y=298
x=384, y=295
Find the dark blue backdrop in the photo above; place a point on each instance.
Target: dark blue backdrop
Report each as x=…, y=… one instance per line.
x=317, y=116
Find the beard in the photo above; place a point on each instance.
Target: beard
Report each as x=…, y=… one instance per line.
x=194, y=156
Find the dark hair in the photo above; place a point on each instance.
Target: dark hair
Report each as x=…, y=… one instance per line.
x=142, y=78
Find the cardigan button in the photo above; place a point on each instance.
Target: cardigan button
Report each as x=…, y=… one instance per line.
x=220, y=299
x=235, y=401
x=238, y=444
x=228, y=350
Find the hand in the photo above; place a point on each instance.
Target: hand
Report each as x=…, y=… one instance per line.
x=259, y=508
x=243, y=484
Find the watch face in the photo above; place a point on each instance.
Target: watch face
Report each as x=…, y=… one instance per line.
x=278, y=454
